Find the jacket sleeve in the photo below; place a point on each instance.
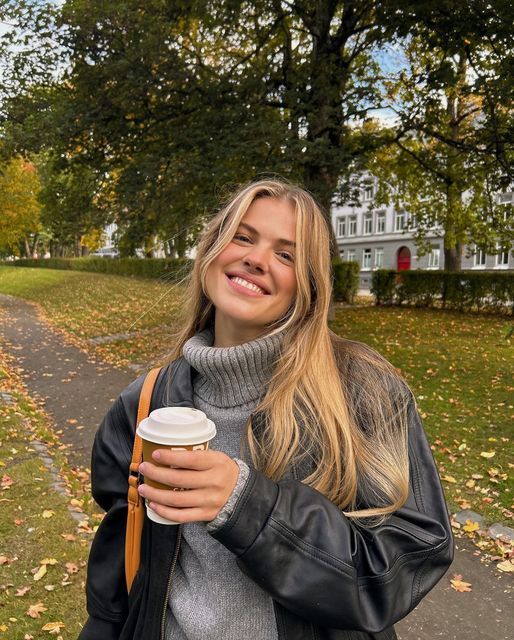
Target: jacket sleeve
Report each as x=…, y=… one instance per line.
x=106, y=590
x=318, y=564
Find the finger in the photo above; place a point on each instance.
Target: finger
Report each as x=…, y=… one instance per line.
x=177, y=499
x=182, y=516
x=199, y=460
x=182, y=478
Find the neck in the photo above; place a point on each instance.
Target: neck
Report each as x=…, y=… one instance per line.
x=228, y=335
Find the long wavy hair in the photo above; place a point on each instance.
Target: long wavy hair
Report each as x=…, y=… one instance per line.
x=332, y=402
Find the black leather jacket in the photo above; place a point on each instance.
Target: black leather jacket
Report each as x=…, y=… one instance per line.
x=329, y=579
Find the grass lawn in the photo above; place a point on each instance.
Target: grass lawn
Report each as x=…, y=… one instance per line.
x=460, y=366
x=43, y=549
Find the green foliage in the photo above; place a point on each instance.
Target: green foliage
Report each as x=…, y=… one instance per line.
x=346, y=281
x=166, y=268
x=19, y=206
x=465, y=290
x=383, y=283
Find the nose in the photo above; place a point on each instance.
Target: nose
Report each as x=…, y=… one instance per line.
x=256, y=259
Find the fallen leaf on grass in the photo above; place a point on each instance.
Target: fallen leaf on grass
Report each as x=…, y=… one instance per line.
x=40, y=572
x=506, y=566
x=471, y=526
x=48, y=513
x=22, y=591
x=71, y=567
x=48, y=561
x=458, y=584
x=488, y=454
x=69, y=537
x=450, y=479
x=6, y=482
x=35, y=610
x=53, y=627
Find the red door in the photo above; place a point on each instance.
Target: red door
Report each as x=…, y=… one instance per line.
x=403, y=259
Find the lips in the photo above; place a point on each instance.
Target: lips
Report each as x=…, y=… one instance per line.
x=253, y=280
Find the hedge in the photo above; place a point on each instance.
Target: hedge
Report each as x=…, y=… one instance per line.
x=462, y=290
x=171, y=269
x=346, y=281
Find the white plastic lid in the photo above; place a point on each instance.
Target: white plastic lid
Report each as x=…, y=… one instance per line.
x=177, y=426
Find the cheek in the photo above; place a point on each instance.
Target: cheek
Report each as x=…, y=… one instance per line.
x=290, y=284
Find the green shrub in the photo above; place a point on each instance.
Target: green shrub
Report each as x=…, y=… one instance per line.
x=462, y=290
x=346, y=281
x=166, y=268
x=383, y=282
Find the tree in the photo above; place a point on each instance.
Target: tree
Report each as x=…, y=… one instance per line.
x=19, y=208
x=442, y=169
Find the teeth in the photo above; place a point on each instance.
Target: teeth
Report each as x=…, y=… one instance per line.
x=248, y=285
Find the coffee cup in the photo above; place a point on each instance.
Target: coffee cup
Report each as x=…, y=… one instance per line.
x=178, y=429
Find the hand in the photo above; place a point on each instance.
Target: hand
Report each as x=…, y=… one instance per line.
x=209, y=477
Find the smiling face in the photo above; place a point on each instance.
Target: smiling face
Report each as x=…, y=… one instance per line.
x=252, y=282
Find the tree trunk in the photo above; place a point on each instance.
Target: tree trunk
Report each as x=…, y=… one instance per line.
x=26, y=248
x=34, y=243
x=453, y=257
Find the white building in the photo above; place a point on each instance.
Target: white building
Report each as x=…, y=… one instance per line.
x=382, y=237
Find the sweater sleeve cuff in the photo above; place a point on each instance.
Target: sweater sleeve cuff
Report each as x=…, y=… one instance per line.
x=226, y=511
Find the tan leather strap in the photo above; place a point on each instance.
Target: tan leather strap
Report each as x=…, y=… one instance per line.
x=137, y=452
x=135, y=510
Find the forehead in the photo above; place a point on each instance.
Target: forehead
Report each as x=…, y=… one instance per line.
x=271, y=217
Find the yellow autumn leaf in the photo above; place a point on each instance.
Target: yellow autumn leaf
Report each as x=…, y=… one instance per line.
x=470, y=484
x=471, y=526
x=40, y=572
x=449, y=479
x=507, y=566
x=53, y=627
x=462, y=446
x=48, y=561
x=488, y=454
x=3, y=627
x=48, y=513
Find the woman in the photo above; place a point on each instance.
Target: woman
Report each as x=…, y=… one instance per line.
x=318, y=512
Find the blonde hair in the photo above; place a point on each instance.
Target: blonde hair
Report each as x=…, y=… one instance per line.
x=332, y=402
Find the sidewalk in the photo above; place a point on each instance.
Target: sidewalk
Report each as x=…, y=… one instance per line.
x=74, y=387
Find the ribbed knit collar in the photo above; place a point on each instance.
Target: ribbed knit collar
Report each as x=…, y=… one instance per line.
x=231, y=376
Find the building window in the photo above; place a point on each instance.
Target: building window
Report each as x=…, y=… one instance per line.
x=341, y=254
x=351, y=255
x=413, y=222
x=352, y=227
x=368, y=193
x=368, y=224
x=433, y=258
x=479, y=257
x=341, y=227
x=399, y=222
x=366, y=258
x=379, y=258
x=381, y=222
x=502, y=256
x=505, y=198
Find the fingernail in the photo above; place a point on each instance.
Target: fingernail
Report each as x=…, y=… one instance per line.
x=141, y=489
x=142, y=467
x=156, y=455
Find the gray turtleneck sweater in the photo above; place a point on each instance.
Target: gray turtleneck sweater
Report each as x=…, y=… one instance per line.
x=210, y=597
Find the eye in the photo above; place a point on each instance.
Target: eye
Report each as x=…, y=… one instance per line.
x=287, y=256
x=239, y=236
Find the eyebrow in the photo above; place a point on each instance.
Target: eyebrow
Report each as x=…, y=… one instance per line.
x=289, y=243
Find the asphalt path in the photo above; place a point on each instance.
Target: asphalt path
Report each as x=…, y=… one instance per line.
x=76, y=391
